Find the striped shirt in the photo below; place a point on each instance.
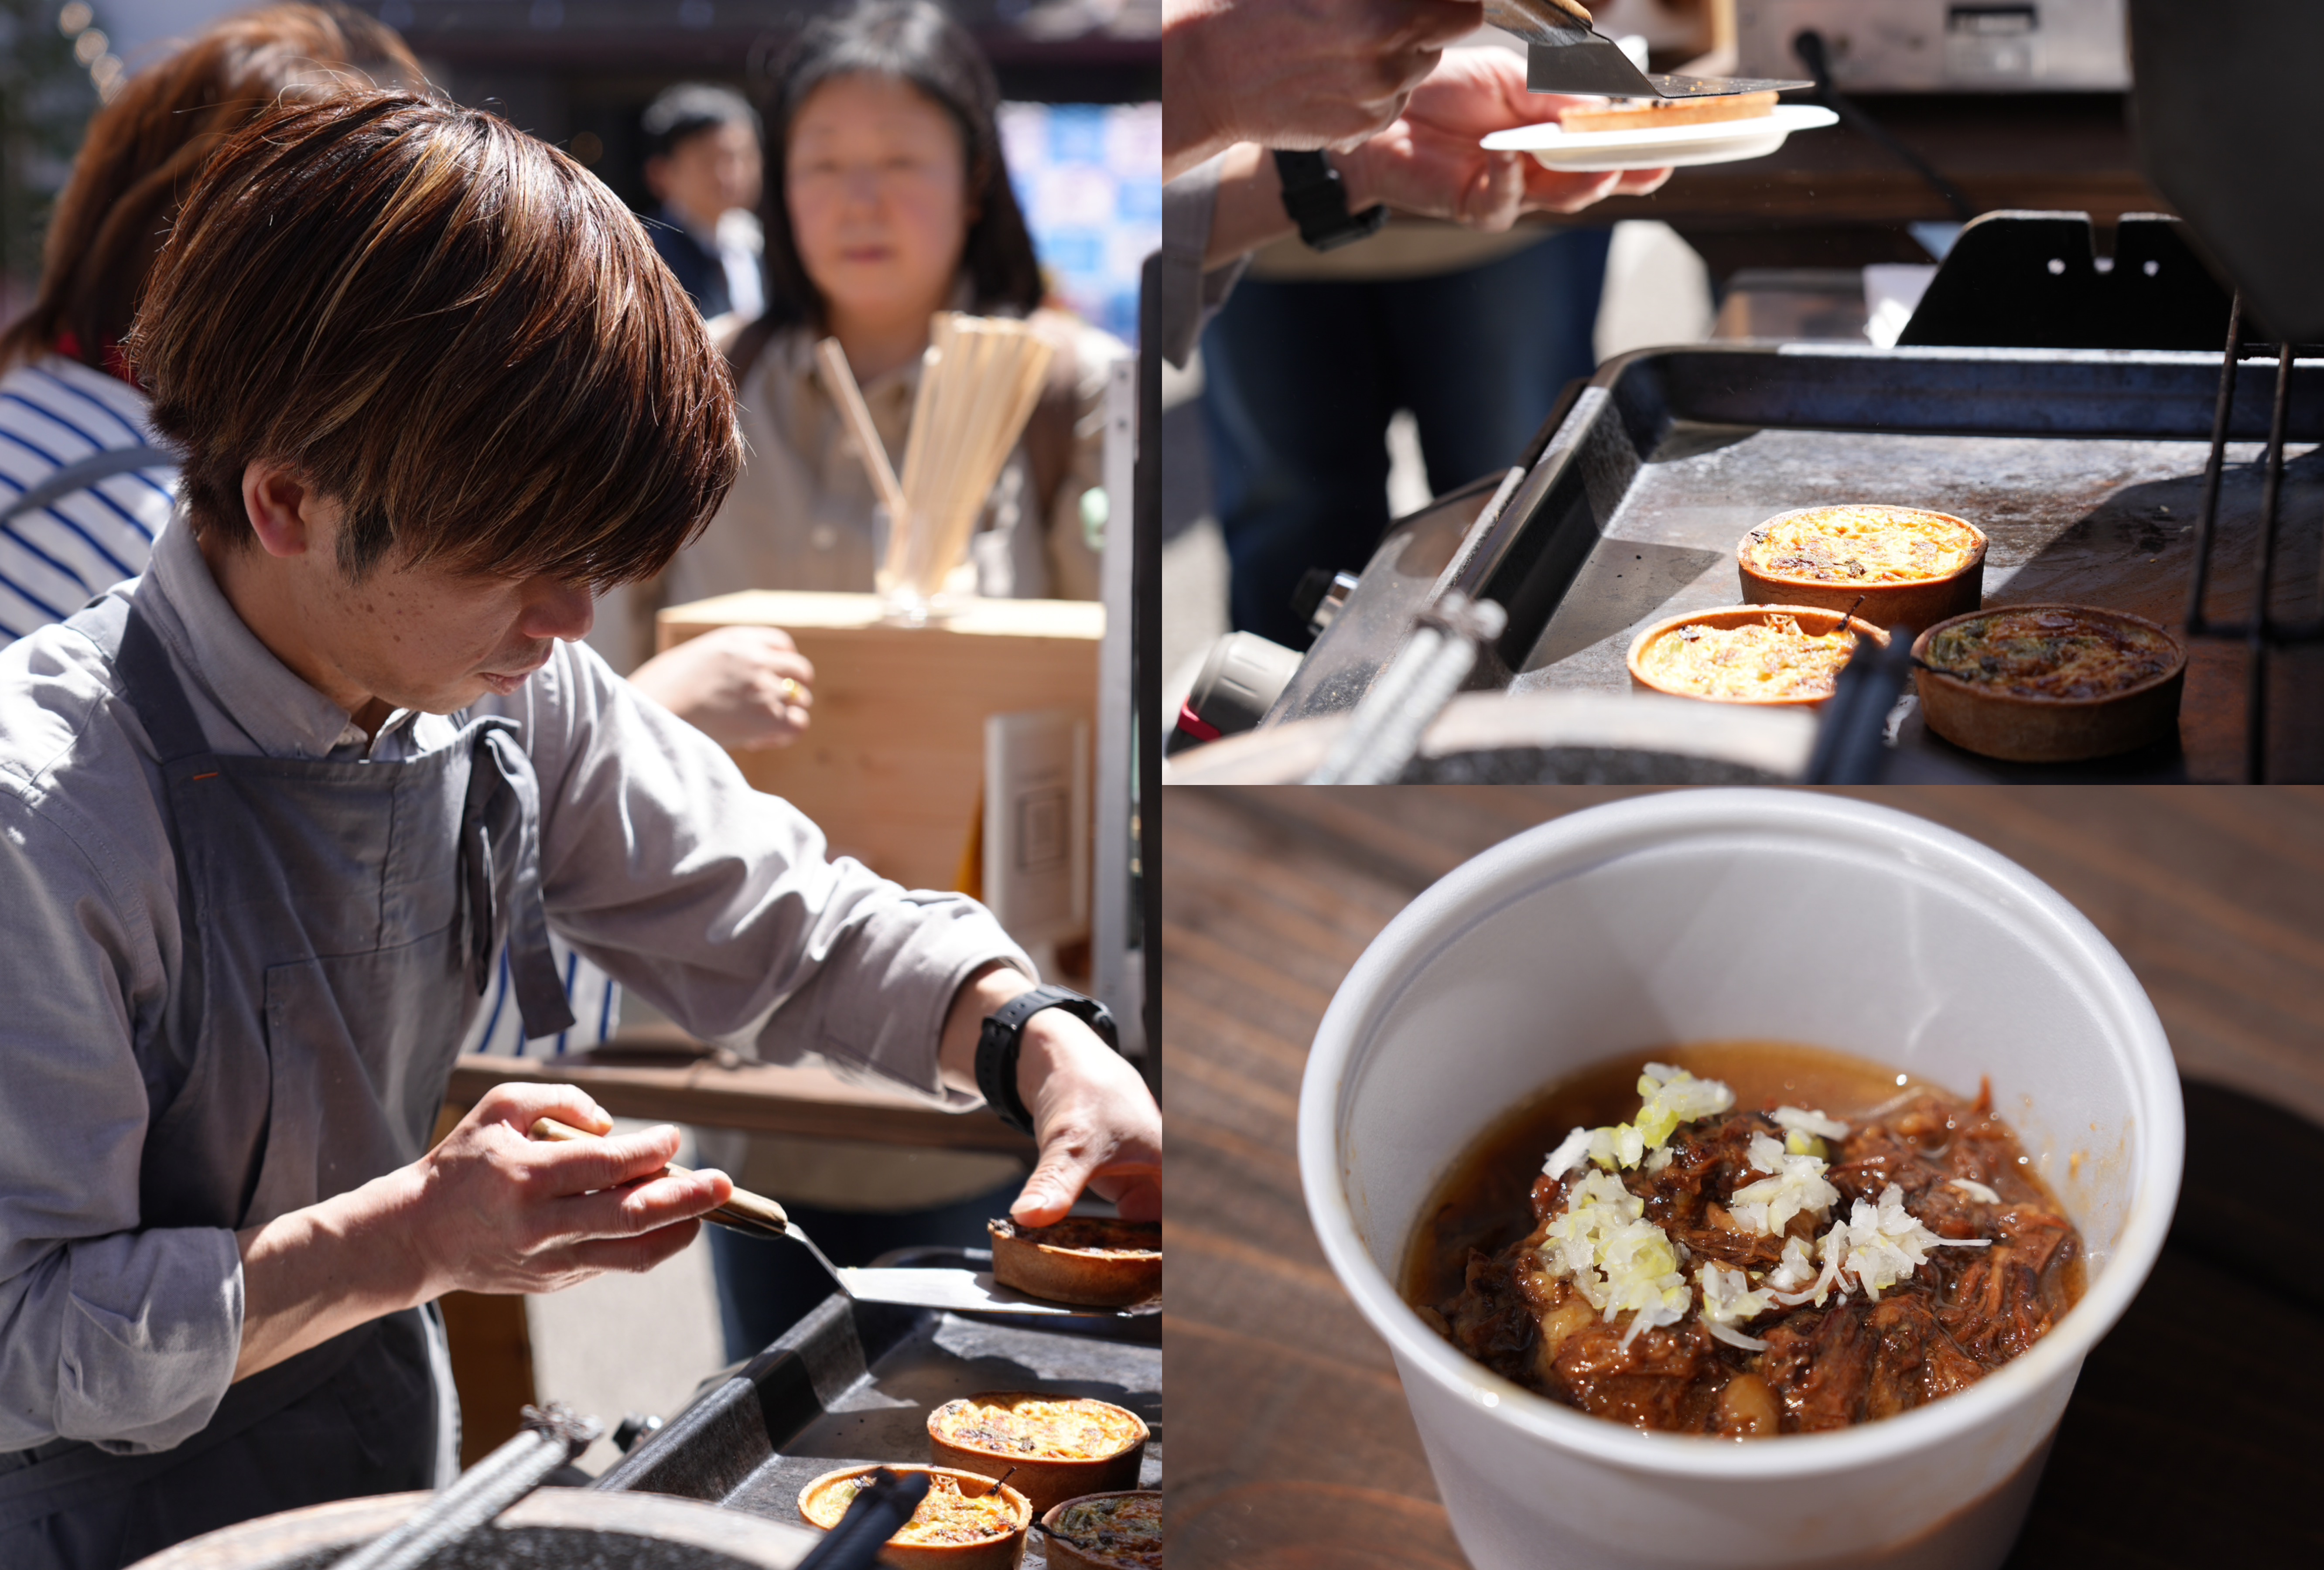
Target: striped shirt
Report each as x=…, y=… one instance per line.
x=55, y=412
x=55, y=559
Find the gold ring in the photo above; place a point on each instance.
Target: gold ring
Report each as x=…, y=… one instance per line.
x=791, y=691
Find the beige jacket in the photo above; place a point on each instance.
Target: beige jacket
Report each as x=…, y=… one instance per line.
x=801, y=513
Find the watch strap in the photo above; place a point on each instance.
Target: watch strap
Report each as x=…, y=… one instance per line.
x=1003, y=1040
x=1317, y=198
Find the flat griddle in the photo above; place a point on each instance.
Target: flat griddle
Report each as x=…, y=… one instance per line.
x=2083, y=466
x=853, y=1382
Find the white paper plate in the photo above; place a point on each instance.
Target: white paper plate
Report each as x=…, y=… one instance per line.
x=1714, y=141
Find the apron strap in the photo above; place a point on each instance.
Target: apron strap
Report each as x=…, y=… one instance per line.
x=148, y=680
x=500, y=850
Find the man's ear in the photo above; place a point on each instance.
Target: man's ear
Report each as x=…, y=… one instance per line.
x=281, y=506
x=656, y=174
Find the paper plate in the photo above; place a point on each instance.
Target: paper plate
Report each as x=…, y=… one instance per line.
x=1717, y=141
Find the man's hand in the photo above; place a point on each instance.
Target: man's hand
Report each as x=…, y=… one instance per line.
x=488, y=1210
x=1294, y=73
x=742, y=687
x=1095, y=1122
x=1429, y=163
x=1097, y=1125
x=492, y=1210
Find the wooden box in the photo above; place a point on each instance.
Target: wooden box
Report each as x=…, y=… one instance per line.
x=891, y=765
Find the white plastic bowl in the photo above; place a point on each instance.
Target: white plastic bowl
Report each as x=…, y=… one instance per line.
x=1729, y=916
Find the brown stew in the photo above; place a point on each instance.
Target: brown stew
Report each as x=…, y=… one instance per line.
x=1936, y=1283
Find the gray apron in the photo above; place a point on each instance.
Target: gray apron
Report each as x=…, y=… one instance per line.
x=340, y=920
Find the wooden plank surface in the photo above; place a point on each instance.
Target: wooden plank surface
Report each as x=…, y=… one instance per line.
x=1294, y=1447
x=891, y=767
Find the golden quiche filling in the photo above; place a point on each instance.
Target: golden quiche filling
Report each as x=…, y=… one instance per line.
x=1039, y=1428
x=1122, y=1529
x=946, y=1516
x=1769, y=660
x=1861, y=544
x=2052, y=651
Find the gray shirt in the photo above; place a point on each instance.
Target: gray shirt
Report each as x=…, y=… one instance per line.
x=716, y=903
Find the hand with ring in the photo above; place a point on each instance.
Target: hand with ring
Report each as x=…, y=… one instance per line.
x=746, y=688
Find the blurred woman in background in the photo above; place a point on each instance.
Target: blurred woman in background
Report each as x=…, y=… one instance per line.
x=888, y=200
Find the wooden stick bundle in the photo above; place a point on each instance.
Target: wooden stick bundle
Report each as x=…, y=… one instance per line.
x=979, y=382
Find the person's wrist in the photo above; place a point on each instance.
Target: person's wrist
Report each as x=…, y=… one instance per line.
x=385, y=1221
x=1357, y=175
x=1055, y=1041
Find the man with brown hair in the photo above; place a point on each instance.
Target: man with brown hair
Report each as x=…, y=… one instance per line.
x=269, y=814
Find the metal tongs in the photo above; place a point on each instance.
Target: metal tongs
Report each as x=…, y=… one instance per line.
x=1566, y=53
x=961, y=1290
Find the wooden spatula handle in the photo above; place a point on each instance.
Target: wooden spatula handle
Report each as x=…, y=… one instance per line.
x=752, y=1212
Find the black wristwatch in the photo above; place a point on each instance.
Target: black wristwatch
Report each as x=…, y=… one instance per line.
x=1316, y=198
x=1003, y=1037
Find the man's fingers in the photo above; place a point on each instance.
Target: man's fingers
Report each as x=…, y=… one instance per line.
x=634, y=1208
x=1069, y=1156
x=1431, y=24
x=584, y=1165
x=521, y=1106
x=637, y=1255
x=1137, y=1195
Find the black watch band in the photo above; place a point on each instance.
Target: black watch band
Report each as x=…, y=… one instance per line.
x=1003, y=1037
x=1316, y=198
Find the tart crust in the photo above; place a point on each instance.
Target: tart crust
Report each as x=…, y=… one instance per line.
x=1092, y=1262
x=2040, y=727
x=1001, y=1550
x=1814, y=620
x=1907, y=602
x=1065, y=1554
x=1044, y=1479
x=1651, y=113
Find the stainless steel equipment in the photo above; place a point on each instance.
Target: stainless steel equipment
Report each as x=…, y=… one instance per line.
x=1945, y=46
x=853, y=1382
x=2085, y=467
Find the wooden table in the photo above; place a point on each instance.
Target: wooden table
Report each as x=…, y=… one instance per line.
x=1294, y=1446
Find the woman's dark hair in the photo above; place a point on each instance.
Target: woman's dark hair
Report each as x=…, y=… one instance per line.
x=914, y=41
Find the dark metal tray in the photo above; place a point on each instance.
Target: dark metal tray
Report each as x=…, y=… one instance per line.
x=854, y=1383
x=2083, y=466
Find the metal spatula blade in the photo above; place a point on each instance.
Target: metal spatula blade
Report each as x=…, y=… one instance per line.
x=1566, y=53
x=921, y=1287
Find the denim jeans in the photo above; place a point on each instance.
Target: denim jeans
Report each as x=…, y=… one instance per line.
x=1300, y=380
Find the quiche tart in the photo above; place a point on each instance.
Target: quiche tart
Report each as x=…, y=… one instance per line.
x=2049, y=684
x=966, y=1522
x=1908, y=568
x=1654, y=113
x=1052, y=1447
x=1092, y=1261
x=1106, y=1531
x=1749, y=654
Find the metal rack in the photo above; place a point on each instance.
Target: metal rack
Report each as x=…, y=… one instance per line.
x=2263, y=633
